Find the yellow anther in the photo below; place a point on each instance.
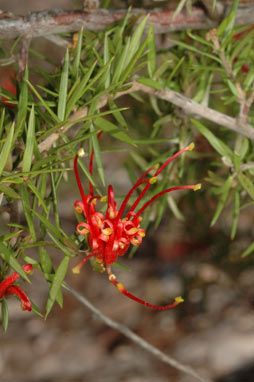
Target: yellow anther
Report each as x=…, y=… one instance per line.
x=120, y=287
x=81, y=152
x=179, y=299
x=153, y=180
x=107, y=231
x=132, y=231
x=99, y=261
x=94, y=201
x=103, y=199
x=191, y=146
x=156, y=166
x=76, y=270
x=142, y=234
x=121, y=245
x=197, y=187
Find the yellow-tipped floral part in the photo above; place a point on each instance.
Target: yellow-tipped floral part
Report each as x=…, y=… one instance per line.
x=191, y=146
x=76, y=270
x=179, y=299
x=120, y=287
x=81, y=152
x=153, y=180
x=197, y=187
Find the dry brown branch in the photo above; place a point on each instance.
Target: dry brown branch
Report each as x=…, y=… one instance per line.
x=186, y=104
x=137, y=339
x=57, y=21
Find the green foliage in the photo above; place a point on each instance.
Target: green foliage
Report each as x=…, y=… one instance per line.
x=80, y=98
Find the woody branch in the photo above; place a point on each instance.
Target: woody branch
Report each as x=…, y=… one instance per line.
x=186, y=104
x=55, y=21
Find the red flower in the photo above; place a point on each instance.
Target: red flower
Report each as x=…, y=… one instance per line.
x=7, y=289
x=8, y=82
x=110, y=235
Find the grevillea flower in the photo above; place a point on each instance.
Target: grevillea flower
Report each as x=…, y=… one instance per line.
x=110, y=235
x=7, y=288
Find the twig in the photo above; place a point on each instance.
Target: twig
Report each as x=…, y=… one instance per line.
x=23, y=56
x=57, y=21
x=137, y=339
x=191, y=107
x=186, y=104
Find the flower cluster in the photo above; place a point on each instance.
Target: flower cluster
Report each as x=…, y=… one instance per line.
x=110, y=235
x=7, y=288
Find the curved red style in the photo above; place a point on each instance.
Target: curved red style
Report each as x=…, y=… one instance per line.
x=110, y=235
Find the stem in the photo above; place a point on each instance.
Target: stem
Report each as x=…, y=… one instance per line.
x=80, y=185
x=137, y=339
x=162, y=193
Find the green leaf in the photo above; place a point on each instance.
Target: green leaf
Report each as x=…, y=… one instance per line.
x=60, y=245
x=9, y=236
x=76, y=61
x=45, y=261
x=223, y=199
x=43, y=102
x=97, y=157
x=232, y=87
x=23, y=100
x=9, y=257
x=38, y=195
x=248, y=250
x=8, y=191
x=57, y=283
x=178, y=9
x=120, y=62
x=135, y=40
x=150, y=82
x=217, y=143
x=174, y=70
x=82, y=88
x=247, y=184
x=227, y=25
x=2, y=122
x=48, y=225
x=27, y=209
x=63, y=88
x=30, y=140
x=113, y=130
x=151, y=54
x=174, y=208
x=4, y=313
x=192, y=48
x=243, y=148
x=6, y=150
x=35, y=309
x=235, y=214
x=29, y=260
x=118, y=115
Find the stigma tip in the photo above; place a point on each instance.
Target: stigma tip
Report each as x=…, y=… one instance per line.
x=197, y=187
x=191, y=146
x=179, y=299
x=76, y=270
x=153, y=180
x=81, y=152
